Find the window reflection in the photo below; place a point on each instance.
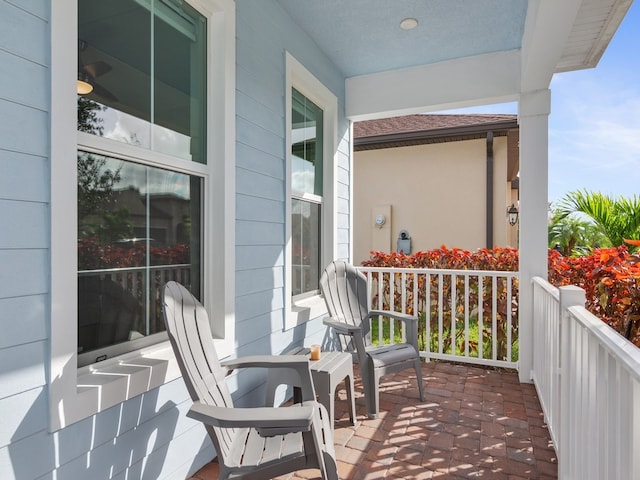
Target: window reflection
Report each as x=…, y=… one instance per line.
x=305, y=246
x=148, y=77
x=138, y=227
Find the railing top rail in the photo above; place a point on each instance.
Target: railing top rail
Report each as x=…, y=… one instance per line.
x=625, y=352
x=437, y=271
x=547, y=287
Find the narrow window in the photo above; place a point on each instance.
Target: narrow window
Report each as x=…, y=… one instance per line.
x=306, y=194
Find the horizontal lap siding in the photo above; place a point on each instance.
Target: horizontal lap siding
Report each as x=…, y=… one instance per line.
x=148, y=436
x=24, y=237
x=264, y=34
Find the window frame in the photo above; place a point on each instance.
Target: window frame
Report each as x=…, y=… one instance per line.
x=76, y=393
x=305, y=307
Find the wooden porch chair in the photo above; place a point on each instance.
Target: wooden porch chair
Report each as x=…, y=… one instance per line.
x=345, y=294
x=251, y=443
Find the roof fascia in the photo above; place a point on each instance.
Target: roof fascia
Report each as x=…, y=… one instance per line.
x=434, y=134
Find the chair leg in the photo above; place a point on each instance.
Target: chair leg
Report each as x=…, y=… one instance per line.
x=375, y=397
x=348, y=382
x=418, y=367
x=331, y=467
x=365, y=376
x=325, y=452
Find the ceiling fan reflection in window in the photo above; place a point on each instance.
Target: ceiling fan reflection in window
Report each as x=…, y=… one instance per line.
x=87, y=74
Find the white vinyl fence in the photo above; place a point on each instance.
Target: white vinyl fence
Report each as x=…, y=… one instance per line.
x=464, y=315
x=588, y=380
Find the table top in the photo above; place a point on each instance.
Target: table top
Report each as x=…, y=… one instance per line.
x=328, y=360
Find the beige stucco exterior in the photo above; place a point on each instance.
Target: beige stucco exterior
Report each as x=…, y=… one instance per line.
x=436, y=192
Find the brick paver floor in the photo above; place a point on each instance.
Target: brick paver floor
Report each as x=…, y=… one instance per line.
x=475, y=423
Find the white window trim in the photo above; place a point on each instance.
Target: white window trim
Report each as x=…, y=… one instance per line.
x=75, y=393
x=298, y=77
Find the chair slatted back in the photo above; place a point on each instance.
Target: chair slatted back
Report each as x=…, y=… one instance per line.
x=189, y=332
x=345, y=294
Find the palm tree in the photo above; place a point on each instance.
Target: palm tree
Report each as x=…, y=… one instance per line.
x=617, y=218
x=567, y=233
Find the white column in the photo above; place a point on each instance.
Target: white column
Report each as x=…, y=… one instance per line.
x=533, y=116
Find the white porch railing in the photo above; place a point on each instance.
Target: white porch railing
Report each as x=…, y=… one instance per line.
x=588, y=381
x=145, y=285
x=483, y=328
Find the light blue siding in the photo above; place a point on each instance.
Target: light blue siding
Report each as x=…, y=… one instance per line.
x=22, y=320
x=259, y=185
x=23, y=272
x=30, y=402
x=264, y=35
x=22, y=368
x=148, y=436
x=258, y=280
x=270, y=233
x=23, y=81
x=252, y=159
x=24, y=224
x=259, y=209
x=24, y=177
x=16, y=121
x=24, y=33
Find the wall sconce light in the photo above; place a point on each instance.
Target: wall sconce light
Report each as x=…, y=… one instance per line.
x=512, y=214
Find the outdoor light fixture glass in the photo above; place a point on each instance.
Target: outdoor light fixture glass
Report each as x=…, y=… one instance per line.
x=408, y=23
x=83, y=86
x=512, y=214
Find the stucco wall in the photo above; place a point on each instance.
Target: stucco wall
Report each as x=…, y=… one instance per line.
x=437, y=192
x=148, y=436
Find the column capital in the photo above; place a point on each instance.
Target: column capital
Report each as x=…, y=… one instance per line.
x=534, y=103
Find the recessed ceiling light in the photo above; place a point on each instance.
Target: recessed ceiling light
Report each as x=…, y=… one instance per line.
x=408, y=24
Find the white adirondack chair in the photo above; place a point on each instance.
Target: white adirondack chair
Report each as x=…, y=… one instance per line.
x=251, y=443
x=345, y=294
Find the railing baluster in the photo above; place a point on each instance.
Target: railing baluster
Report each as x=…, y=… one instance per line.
x=440, y=313
x=392, y=306
x=508, y=320
x=494, y=317
x=404, y=302
x=453, y=302
x=466, y=315
x=480, y=316
x=427, y=309
x=380, y=306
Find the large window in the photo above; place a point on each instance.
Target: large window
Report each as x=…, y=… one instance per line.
x=306, y=193
x=312, y=121
x=142, y=190
x=141, y=83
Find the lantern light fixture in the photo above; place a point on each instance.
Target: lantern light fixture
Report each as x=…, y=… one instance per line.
x=512, y=214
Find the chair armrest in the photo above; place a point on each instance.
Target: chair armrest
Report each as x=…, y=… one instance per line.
x=410, y=323
x=341, y=327
x=267, y=361
x=297, y=363
x=355, y=332
x=397, y=315
x=271, y=421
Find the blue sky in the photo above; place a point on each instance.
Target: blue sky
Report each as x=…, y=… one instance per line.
x=594, y=126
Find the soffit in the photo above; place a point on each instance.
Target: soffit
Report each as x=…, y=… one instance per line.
x=364, y=36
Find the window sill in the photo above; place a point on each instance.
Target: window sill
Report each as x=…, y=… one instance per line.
x=109, y=383
x=306, y=309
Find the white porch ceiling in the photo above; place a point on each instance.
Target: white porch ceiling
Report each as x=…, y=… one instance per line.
x=489, y=50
